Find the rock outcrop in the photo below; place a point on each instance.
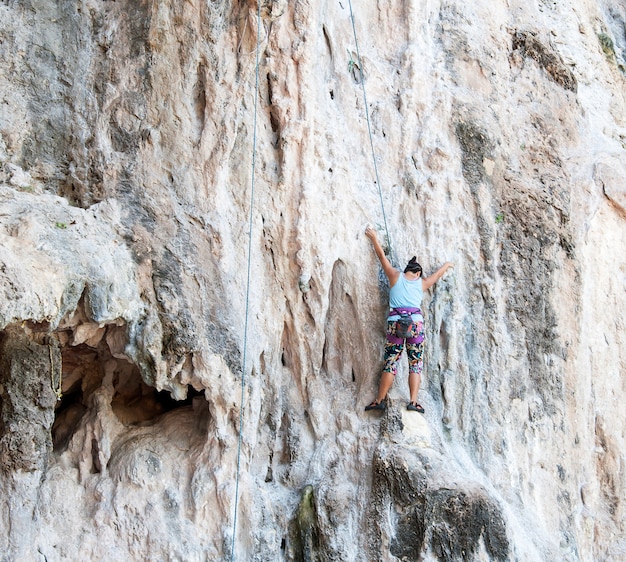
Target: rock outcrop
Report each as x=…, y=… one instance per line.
x=191, y=318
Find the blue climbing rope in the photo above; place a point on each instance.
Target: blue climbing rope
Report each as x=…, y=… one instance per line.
x=251, y=213
x=369, y=128
x=245, y=330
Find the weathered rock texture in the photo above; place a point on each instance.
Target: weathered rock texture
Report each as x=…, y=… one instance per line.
x=126, y=209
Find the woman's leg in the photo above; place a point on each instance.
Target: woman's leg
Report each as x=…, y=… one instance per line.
x=386, y=380
x=414, y=385
x=392, y=354
x=414, y=353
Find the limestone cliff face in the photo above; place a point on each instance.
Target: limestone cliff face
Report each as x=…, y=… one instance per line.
x=126, y=171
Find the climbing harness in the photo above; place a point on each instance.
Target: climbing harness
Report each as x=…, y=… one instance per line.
x=245, y=330
x=405, y=325
x=369, y=127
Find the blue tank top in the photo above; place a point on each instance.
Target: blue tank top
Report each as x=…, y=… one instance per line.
x=406, y=293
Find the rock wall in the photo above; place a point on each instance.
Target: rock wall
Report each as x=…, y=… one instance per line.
x=133, y=213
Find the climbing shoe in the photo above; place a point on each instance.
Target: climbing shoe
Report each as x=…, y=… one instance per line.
x=415, y=407
x=376, y=406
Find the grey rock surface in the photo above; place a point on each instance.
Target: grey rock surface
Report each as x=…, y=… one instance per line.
x=212, y=346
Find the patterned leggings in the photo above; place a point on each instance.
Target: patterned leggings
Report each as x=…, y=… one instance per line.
x=414, y=351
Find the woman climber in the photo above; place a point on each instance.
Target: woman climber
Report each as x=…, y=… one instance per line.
x=405, y=323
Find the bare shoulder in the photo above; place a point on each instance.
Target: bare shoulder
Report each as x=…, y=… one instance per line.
x=428, y=282
x=393, y=275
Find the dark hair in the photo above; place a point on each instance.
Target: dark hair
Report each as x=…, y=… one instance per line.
x=413, y=266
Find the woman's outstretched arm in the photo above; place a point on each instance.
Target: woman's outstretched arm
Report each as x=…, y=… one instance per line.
x=429, y=281
x=391, y=272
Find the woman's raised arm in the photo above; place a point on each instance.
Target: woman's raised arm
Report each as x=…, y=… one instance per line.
x=391, y=272
x=429, y=281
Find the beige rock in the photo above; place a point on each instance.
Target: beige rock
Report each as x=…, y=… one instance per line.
x=128, y=235
x=416, y=429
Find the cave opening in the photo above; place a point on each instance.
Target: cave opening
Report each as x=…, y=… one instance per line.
x=86, y=365
x=95, y=366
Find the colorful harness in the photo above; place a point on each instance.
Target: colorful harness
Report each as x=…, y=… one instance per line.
x=405, y=312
